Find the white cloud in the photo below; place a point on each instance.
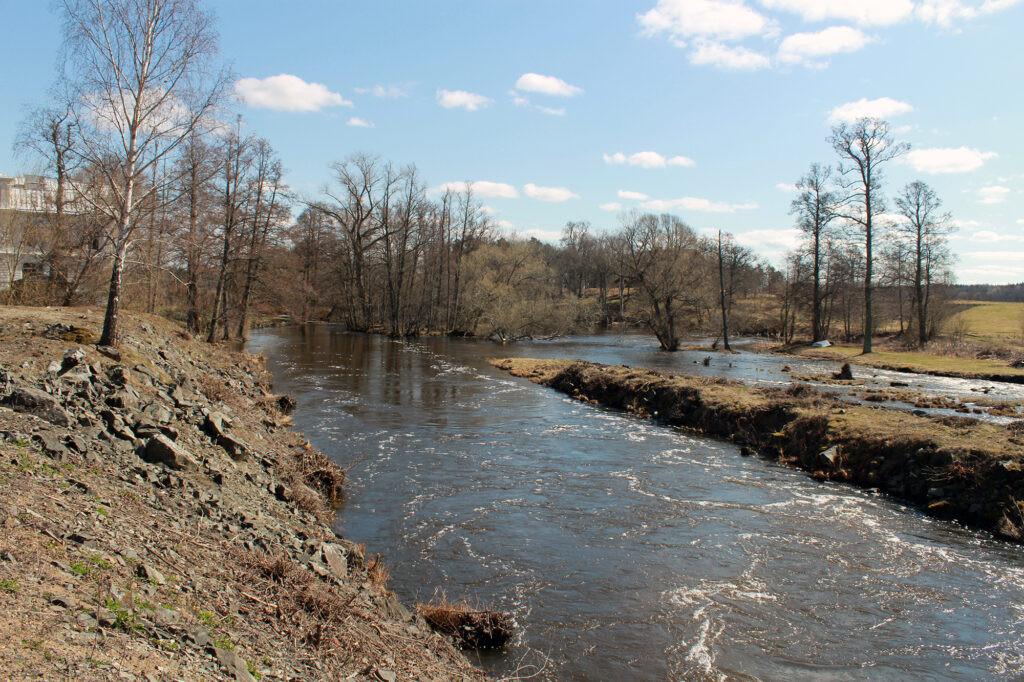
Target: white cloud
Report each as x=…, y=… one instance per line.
x=695, y=204
x=960, y=224
x=451, y=99
x=521, y=100
x=635, y=196
x=387, y=91
x=713, y=53
x=547, y=85
x=715, y=19
x=286, y=92
x=482, y=188
x=891, y=219
x=1020, y=221
x=357, y=122
x=989, y=237
x=863, y=12
x=550, y=111
x=549, y=236
x=771, y=242
x=803, y=48
x=556, y=194
x=648, y=160
x=611, y=206
x=946, y=12
x=1006, y=255
x=992, y=274
x=944, y=160
x=787, y=187
x=883, y=107
x=995, y=194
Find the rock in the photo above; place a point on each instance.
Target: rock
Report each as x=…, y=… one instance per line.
x=76, y=443
x=162, y=450
x=821, y=344
x=844, y=374
x=115, y=425
x=64, y=602
x=53, y=368
x=79, y=376
x=830, y=457
x=51, y=444
x=39, y=403
x=119, y=375
x=234, y=447
x=336, y=559
x=122, y=400
x=182, y=398
x=147, y=571
x=198, y=636
x=165, y=617
x=158, y=413
x=233, y=663
x=111, y=352
x=72, y=358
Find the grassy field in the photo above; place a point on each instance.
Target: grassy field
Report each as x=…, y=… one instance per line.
x=989, y=321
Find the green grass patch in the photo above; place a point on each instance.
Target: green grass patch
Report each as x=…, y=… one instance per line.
x=991, y=321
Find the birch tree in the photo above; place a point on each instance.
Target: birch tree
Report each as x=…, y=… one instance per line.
x=140, y=77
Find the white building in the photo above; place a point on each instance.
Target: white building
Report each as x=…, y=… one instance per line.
x=21, y=199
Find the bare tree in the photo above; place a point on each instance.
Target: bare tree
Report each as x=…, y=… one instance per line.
x=140, y=78
x=667, y=267
x=926, y=229
x=732, y=259
x=815, y=209
x=863, y=148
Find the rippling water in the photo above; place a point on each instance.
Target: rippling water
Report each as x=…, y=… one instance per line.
x=628, y=550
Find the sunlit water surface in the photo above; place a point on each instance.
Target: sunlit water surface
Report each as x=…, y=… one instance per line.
x=628, y=550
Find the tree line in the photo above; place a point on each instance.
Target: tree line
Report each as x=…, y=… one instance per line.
x=165, y=202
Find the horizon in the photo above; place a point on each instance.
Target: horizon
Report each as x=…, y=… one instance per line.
x=707, y=109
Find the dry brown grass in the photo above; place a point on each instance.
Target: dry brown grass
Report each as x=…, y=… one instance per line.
x=378, y=572
x=472, y=628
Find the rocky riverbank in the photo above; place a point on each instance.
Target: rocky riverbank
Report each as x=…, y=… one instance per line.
x=161, y=522
x=950, y=467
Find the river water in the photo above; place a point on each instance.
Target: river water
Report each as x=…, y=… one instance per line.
x=628, y=550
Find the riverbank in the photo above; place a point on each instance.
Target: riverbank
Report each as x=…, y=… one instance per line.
x=985, y=369
x=162, y=522
x=949, y=467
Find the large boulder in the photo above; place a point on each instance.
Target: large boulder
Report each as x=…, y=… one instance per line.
x=39, y=403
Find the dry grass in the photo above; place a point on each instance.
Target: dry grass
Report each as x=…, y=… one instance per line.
x=377, y=572
x=472, y=628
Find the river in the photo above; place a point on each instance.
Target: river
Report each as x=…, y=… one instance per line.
x=627, y=550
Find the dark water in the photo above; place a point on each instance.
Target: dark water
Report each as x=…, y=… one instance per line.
x=628, y=550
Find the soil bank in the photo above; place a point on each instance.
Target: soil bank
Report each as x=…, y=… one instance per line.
x=161, y=522
x=950, y=467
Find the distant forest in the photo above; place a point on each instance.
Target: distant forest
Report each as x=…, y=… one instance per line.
x=1008, y=293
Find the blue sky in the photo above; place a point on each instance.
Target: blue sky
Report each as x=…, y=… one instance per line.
x=578, y=110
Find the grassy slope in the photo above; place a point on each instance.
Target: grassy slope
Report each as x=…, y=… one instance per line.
x=991, y=321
